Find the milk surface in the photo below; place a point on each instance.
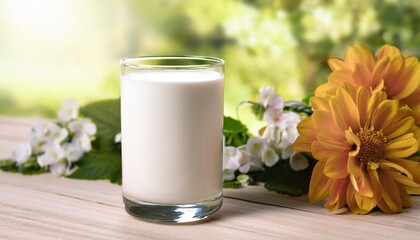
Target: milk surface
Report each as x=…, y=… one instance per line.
x=172, y=135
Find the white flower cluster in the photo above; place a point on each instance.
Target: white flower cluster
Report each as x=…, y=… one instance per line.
x=57, y=146
x=275, y=144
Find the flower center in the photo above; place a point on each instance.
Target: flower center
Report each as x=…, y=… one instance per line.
x=372, y=146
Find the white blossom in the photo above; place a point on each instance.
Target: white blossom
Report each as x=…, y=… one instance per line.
x=287, y=152
x=266, y=94
x=82, y=140
x=22, y=153
x=288, y=128
x=255, y=146
x=72, y=151
x=245, y=161
x=273, y=134
x=269, y=99
x=55, y=133
x=228, y=174
x=298, y=161
x=117, y=139
x=272, y=115
x=269, y=157
x=231, y=158
x=244, y=179
x=59, y=169
x=53, y=153
x=69, y=110
x=79, y=126
x=38, y=134
x=277, y=102
x=250, y=161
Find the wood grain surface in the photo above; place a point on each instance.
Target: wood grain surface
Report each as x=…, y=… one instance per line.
x=47, y=207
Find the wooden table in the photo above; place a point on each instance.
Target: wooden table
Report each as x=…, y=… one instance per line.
x=46, y=207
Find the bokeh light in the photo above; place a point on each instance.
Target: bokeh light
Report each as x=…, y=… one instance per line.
x=54, y=50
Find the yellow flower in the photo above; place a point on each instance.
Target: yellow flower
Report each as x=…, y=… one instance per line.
x=390, y=71
x=363, y=143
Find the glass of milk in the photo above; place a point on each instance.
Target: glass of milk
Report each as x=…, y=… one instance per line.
x=171, y=120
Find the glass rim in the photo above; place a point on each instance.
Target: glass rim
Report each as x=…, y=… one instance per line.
x=140, y=62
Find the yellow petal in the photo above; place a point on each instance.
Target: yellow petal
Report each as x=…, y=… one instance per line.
x=359, y=54
x=336, y=64
x=399, y=127
x=319, y=103
x=336, y=165
x=383, y=116
x=337, y=194
x=351, y=201
x=381, y=68
x=413, y=191
x=387, y=50
x=391, y=200
x=366, y=203
x=393, y=84
x=352, y=140
x=354, y=167
x=344, y=111
x=405, y=198
x=412, y=167
x=404, y=180
x=401, y=147
x=332, y=142
x=307, y=135
x=324, y=121
x=413, y=101
x=388, y=165
x=319, y=184
x=376, y=185
x=409, y=81
x=361, y=76
x=337, y=78
x=362, y=100
x=375, y=100
x=359, y=177
x=319, y=152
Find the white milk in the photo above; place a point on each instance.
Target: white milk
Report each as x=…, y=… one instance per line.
x=172, y=135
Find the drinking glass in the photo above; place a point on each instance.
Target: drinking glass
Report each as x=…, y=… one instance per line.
x=171, y=128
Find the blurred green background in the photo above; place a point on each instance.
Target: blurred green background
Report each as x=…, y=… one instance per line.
x=59, y=49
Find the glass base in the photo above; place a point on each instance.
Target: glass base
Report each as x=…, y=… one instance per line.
x=173, y=213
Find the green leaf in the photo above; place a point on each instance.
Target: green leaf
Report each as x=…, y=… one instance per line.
x=282, y=179
x=235, y=132
x=416, y=155
x=307, y=99
x=9, y=165
x=106, y=115
x=31, y=167
x=232, y=184
x=258, y=110
x=299, y=107
x=99, y=165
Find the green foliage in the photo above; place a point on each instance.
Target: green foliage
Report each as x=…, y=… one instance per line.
x=235, y=132
x=104, y=162
x=282, y=179
x=8, y=165
x=232, y=184
x=30, y=167
x=307, y=99
x=99, y=165
x=106, y=115
x=299, y=107
x=258, y=110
